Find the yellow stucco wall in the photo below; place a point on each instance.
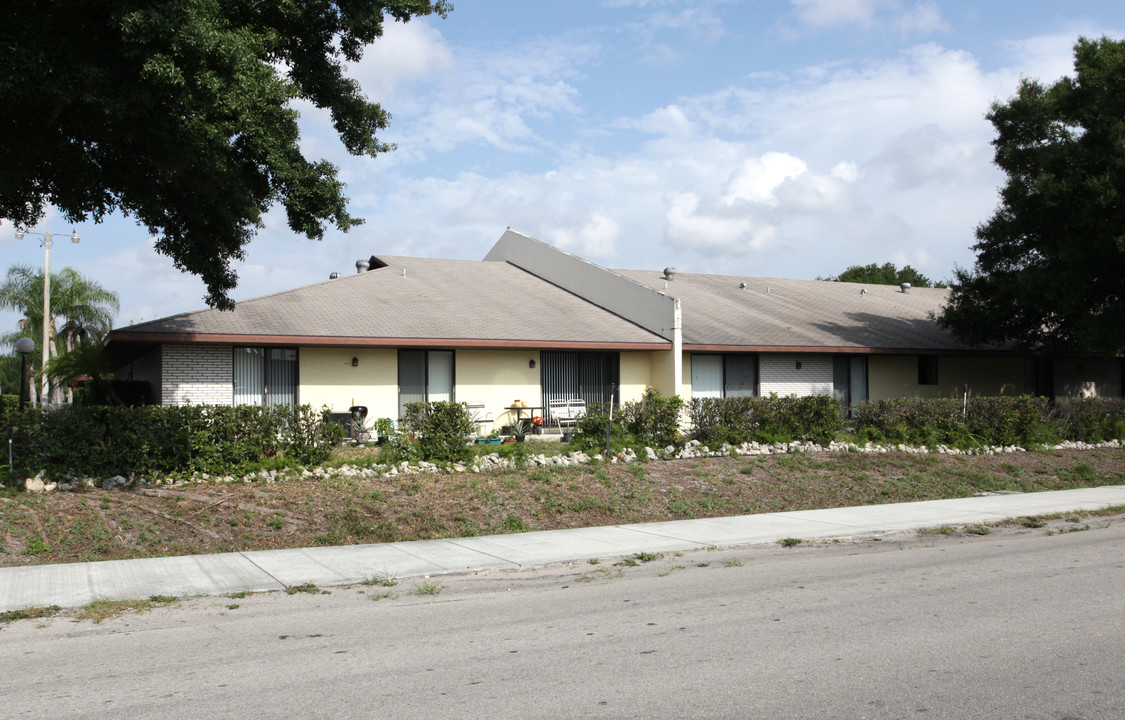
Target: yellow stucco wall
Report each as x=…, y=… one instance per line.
x=661, y=372
x=328, y=378
x=636, y=375
x=895, y=376
x=494, y=377
x=497, y=378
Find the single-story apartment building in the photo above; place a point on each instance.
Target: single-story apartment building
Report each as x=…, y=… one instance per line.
x=533, y=323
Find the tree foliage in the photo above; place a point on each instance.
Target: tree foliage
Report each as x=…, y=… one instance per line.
x=1050, y=268
x=885, y=274
x=179, y=113
x=81, y=309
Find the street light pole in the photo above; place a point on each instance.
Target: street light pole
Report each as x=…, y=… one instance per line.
x=46, y=305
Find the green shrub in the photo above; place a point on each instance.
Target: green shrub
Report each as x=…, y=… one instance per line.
x=1021, y=420
x=99, y=441
x=653, y=421
x=1090, y=419
x=442, y=430
x=1024, y=420
x=590, y=430
x=736, y=420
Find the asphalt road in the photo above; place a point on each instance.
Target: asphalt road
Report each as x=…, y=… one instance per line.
x=1018, y=624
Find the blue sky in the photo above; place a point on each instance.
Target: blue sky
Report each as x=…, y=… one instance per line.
x=776, y=138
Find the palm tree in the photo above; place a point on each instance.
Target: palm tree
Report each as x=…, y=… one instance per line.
x=86, y=361
x=79, y=308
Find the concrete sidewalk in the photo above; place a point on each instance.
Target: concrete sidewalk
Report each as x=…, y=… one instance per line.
x=77, y=584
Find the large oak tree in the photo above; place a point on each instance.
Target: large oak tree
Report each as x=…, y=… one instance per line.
x=1050, y=268
x=178, y=113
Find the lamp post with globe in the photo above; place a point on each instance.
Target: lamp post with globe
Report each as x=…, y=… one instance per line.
x=24, y=346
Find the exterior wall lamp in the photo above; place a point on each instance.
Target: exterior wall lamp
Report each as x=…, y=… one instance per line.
x=531, y=364
x=355, y=362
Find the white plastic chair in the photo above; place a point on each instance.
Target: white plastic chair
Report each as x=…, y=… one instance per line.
x=479, y=415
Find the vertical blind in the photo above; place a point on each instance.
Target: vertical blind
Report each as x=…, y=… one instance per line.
x=424, y=376
x=249, y=375
x=706, y=376
x=281, y=376
x=849, y=379
x=589, y=376
x=716, y=376
x=265, y=376
x=741, y=375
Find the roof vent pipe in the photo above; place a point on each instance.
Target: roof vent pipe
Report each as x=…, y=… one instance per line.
x=333, y=276
x=905, y=288
x=361, y=266
x=741, y=286
x=669, y=273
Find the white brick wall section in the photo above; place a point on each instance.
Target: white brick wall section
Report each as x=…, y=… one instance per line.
x=199, y=374
x=779, y=374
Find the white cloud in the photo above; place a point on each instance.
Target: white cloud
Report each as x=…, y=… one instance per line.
x=690, y=225
x=843, y=162
x=923, y=17
x=593, y=238
x=699, y=22
x=407, y=53
x=757, y=179
x=837, y=12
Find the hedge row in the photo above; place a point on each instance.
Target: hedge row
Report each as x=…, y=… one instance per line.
x=96, y=441
x=1025, y=420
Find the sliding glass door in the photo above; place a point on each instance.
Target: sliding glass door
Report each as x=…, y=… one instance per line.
x=265, y=376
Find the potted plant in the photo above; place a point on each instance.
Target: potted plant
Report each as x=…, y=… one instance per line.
x=519, y=430
x=383, y=429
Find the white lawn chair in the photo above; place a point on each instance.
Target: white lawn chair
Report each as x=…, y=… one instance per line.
x=479, y=415
x=558, y=412
x=576, y=409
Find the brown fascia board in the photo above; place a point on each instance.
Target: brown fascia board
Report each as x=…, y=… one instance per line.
x=321, y=341
x=848, y=350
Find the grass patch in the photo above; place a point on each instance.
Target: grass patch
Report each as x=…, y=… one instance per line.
x=29, y=613
x=602, y=573
x=381, y=580
x=428, y=588
x=101, y=610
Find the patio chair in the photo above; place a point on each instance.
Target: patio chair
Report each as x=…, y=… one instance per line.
x=479, y=415
x=576, y=409
x=558, y=412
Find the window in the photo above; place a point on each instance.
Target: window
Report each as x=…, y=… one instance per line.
x=265, y=376
x=927, y=370
x=724, y=375
x=589, y=376
x=849, y=379
x=424, y=376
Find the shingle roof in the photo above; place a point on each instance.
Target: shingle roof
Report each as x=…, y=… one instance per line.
x=782, y=313
x=466, y=302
